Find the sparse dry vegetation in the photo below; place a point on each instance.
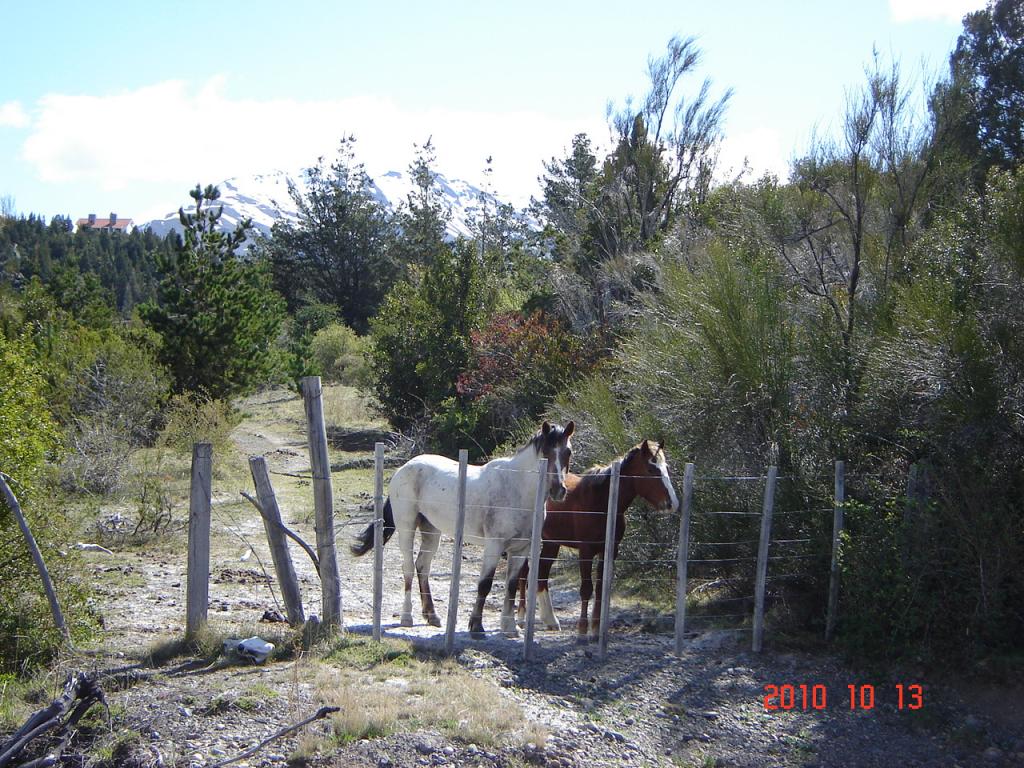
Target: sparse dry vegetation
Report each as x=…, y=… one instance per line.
x=385, y=687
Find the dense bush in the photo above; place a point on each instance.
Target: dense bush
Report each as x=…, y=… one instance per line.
x=28, y=437
x=338, y=354
x=738, y=368
x=421, y=336
x=102, y=384
x=518, y=365
x=194, y=418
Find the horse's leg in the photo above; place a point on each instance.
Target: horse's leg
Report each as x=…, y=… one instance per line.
x=548, y=553
x=517, y=558
x=430, y=537
x=406, y=540
x=492, y=553
x=586, y=590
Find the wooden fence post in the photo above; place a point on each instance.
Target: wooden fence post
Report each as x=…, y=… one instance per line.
x=276, y=537
x=762, y=557
x=607, y=560
x=837, y=533
x=535, y=536
x=37, y=558
x=323, y=501
x=378, y=537
x=460, y=527
x=197, y=588
x=682, y=557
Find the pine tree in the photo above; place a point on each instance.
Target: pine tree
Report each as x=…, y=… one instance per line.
x=217, y=314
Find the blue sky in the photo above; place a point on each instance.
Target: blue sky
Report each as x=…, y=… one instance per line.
x=124, y=108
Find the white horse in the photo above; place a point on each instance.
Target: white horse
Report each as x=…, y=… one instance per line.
x=500, y=496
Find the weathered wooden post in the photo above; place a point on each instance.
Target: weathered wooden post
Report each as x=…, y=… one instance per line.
x=762, y=557
x=607, y=561
x=278, y=540
x=378, y=536
x=197, y=588
x=837, y=534
x=682, y=556
x=535, y=536
x=460, y=527
x=323, y=501
x=37, y=558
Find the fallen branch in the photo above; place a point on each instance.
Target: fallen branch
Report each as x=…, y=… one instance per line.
x=84, y=547
x=287, y=532
x=318, y=715
x=37, y=557
x=79, y=687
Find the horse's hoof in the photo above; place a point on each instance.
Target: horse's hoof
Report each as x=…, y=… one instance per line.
x=433, y=620
x=477, y=634
x=512, y=634
x=582, y=640
x=521, y=623
x=556, y=627
x=406, y=620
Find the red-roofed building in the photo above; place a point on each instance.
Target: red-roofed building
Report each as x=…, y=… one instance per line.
x=113, y=224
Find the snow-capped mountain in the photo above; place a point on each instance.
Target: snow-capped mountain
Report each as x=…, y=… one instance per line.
x=264, y=198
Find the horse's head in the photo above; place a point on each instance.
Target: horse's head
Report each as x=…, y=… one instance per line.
x=648, y=468
x=552, y=443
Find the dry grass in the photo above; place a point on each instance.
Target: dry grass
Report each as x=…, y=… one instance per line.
x=387, y=687
x=349, y=407
x=536, y=733
x=14, y=705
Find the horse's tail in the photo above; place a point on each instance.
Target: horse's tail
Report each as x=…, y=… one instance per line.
x=364, y=541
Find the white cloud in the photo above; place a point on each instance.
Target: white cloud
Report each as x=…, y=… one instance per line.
x=13, y=115
x=169, y=132
x=932, y=10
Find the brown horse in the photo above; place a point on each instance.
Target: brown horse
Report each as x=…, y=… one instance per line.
x=579, y=520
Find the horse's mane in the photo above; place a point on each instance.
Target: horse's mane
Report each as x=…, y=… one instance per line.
x=598, y=473
x=595, y=477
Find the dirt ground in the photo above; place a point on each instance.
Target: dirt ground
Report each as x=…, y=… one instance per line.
x=642, y=706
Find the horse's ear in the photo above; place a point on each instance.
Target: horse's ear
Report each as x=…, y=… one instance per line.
x=645, y=447
x=545, y=428
x=569, y=429
x=661, y=445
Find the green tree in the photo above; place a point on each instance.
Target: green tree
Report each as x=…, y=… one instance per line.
x=567, y=202
x=988, y=65
x=338, y=250
x=421, y=336
x=603, y=219
x=664, y=154
x=843, y=230
x=217, y=314
x=422, y=219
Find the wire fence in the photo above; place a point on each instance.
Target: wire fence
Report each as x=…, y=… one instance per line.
x=752, y=543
